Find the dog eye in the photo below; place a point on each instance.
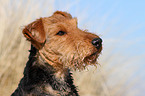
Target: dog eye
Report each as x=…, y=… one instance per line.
x=60, y=33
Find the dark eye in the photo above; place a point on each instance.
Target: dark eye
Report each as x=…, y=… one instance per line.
x=60, y=33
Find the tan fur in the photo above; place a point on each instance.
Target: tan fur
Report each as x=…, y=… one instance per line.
x=72, y=50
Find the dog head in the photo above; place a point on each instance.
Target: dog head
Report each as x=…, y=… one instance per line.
x=61, y=43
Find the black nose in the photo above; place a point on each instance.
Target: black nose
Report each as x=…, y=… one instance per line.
x=97, y=42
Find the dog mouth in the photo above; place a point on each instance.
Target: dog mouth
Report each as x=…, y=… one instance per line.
x=91, y=59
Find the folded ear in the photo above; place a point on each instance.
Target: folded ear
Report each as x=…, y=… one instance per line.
x=65, y=14
x=35, y=33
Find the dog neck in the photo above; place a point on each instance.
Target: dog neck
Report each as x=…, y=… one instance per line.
x=36, y=60
x=42, y=77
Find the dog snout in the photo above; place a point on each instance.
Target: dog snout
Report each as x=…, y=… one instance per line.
x=97, y=42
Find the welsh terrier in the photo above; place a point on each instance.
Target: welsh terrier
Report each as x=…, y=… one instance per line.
x=57, y=45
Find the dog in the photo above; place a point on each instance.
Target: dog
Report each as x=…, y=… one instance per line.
x=57, y=46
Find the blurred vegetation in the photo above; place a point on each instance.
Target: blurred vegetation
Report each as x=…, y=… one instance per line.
x=106, y=80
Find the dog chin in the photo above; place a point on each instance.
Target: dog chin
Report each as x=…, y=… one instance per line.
x=91, y=59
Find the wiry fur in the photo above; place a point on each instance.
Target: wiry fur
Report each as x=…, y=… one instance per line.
x=53, y=54
x=40, y=80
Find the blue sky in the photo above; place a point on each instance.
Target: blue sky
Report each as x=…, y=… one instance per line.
x=127, y=15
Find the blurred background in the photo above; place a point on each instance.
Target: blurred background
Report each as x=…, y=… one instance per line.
x=120, y=23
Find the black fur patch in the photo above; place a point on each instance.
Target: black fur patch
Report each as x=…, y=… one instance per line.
x=38, y=76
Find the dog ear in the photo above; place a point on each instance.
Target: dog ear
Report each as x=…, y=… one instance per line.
x=65, y=14
x=35, y=33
